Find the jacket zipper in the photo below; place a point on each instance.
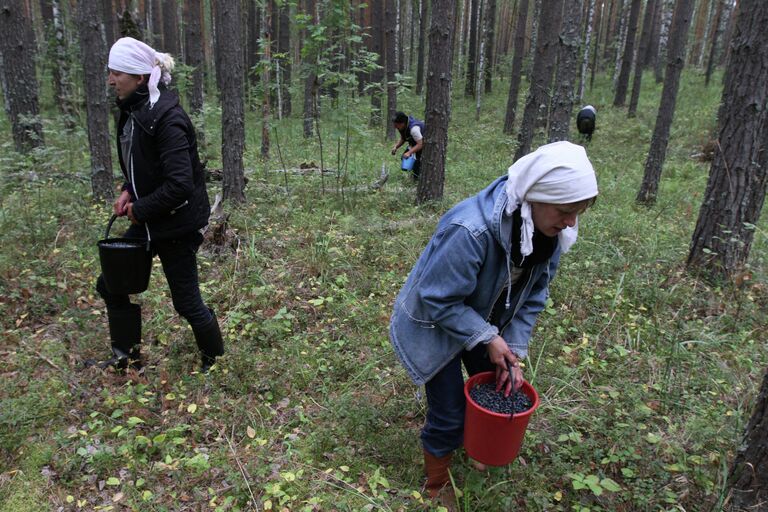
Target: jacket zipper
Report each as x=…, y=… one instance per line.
x=130, y=168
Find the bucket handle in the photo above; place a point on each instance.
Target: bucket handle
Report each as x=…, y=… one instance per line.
x=109, y=227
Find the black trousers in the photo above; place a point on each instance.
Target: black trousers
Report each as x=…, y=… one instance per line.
x=179, y=259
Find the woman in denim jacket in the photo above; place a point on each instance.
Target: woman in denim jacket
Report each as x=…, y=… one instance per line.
x=476, y=290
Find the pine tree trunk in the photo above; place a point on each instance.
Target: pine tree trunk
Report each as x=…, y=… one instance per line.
x=736, y=191
x=567, y=66
x=284, y=48
x=59, y=62
x=641, y=57
x=729, y=24
x=110, y=17
x=621, y=40
x=377, y=47
x=171, y=28
x=537, y=103
x=230, y=44
x=423, y=20
x=699, y=31
x=19, y=81
x=193, y=42
x=93, y=52
x=716, y=33
x=310, y=80
x=599, y=19
x=681, y=20
x=748, y=477
x=653, y=41
x=490, y=23
x=517, y=67
x=390, y=65
x=253, y=31
x=438, y=102
x=629, y=53
x=591, y=18
x=469, y=86
x=266, y=75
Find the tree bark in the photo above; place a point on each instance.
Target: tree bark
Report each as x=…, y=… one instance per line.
x=19, y=81
x=93, y=52
x=490, y=20
x=171, y=28
x=469, y=89
x=591, y=17
x=537, y=103
x=58, y=61
x=422, y=42
x=390, y=64
x=284, y=49
x=438, y=102
x=716, y=33
x=567, y=66
x=266, y=76
x=230, y=44
x=310, y=80
x=665, y=8
x=377, y=47
x=110, y=19
x=641, y=57
x=629, y=53
x=736, y=191
x=700, y=17
x=748, y=477
x=681, y=20
x=517, y=67
x=193, y=42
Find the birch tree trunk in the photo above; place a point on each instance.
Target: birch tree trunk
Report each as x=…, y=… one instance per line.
x=661, y=56
x=17, y=71
x=93, y=52
x=538, y=100
x=310, y=81
x=621, y=41
x=567, y=66
x=591, y=15
x=517, y=67
x=480, y=67
x=230, y=46
x=675, y=61
x=734, y=199
x=438, y=108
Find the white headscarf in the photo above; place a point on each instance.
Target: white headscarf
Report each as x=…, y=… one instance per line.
x=129, y=55
x=556, y=173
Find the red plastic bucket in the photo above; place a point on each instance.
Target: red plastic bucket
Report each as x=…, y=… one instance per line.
x=490, y=437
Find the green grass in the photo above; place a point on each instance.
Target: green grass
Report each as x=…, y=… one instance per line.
x=647, y=375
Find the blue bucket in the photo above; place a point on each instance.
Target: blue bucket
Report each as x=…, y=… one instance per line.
x=408, y=163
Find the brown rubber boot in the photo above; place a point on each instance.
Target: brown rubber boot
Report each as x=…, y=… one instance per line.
x=438, y=484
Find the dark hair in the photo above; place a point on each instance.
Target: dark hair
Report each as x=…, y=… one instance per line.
x=400, y=117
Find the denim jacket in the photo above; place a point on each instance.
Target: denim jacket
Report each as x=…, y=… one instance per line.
x=448, y=298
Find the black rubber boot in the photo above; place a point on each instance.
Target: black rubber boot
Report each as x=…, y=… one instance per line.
x=209, y=342
x=125, y=333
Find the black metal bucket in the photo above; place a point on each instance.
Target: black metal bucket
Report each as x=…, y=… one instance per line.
x=126, y=263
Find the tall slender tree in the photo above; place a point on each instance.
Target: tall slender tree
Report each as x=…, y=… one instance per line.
x=517, y=67
x=19, y=81
x=230, y=46
x=284, y=62
x=589, y=29
x=171, y=27
x=469, y=85
x=629, y=52
x=438, y=109
x=537, y=102
x=567, y=69
x=93, y=50
x=665, y=11
x=717, y=30
x=311, y=84
x=266, y=74
x=490, y=24
x=423, y=21
x=738, y=176
x=59, y=60
x=390, y=64
x=681, y=20
x=377, y=47
x=641, y=57
x=193, y=55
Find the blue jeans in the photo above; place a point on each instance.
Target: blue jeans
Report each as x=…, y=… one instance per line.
x=179, y=260
x=443, y=431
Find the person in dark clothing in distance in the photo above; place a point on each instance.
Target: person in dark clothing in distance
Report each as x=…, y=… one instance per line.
x=411, y=131
x=164, y=196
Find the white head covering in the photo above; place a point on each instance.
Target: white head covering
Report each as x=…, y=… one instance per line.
x=129, y=55
x=556, y=173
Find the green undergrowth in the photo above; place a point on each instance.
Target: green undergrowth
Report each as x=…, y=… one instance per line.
x=647, y=374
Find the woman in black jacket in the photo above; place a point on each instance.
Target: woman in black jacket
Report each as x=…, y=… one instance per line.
x=163, y=195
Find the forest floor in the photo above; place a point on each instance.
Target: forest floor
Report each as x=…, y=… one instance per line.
x=647, y=374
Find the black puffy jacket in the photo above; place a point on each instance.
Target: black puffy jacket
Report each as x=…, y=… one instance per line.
x=163, y=173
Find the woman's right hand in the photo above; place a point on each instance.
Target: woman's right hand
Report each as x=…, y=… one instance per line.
x=499, y=354
x=121, y=203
